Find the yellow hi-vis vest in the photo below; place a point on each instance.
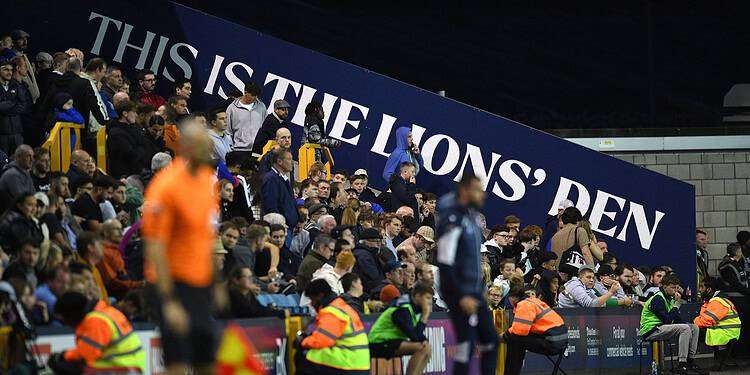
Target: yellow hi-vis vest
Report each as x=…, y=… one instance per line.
x=351, y=351
x=727, y=329
x=123, y=351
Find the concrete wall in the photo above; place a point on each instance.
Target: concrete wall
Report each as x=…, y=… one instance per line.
x=722, y=190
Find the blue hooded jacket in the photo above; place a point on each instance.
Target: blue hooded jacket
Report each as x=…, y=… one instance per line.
x=402, y=153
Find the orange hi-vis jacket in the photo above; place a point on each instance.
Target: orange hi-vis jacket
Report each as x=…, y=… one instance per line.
x=714, y=311
x=531, y=315
x=339, y=340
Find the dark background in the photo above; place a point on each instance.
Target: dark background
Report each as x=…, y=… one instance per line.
x=591, y=65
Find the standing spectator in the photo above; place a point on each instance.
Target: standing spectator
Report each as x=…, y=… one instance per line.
x=179, y=244
x=88, y=101
x=40, y=169
x=553, y=223
x=322, y=252
x=15, y=178
x=145, y=93
x=56, y=283
x=574, y=238
x=217, y=125
x=112, y=266
x=461, y=281
x=314, y=129
x=273, y=122
x=405, y=151
x=126, y=148
x=43, y=70
x=284, y=142
x=701, y=253
x=13, y=104
x=20, y=47
x=245, y=117
x=49, y=89
x=660, y=320
x=403, y=189
x=112, y=82
x=87, y=204
x=276, y=191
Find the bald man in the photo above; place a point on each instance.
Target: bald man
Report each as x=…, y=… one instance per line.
x=179, y=235
x=78, y=166
x=284, y=141
x=16, y=177
x=273, y=122
x=120, y=97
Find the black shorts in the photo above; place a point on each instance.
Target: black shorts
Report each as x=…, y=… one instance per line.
x=386, y=349
x=199, y=344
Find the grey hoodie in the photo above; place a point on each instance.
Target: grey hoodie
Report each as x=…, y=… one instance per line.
x=575, y=294
x=244, y=124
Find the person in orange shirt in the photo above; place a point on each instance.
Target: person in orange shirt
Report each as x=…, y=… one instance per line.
x=179, y=208
x=90, y=253
x=112, y=266
x=175, y=108
x=104, y=338
x=536, y=328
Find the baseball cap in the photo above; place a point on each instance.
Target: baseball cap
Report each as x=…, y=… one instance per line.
x=360, y=172
x=281, y=103
x=43, y=57
x=392, y=265
x=18, y=34
x=370, y=234
x=427, y=233
x=315, y=208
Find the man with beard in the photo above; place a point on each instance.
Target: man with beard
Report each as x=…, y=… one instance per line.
x=494, y=248
x=40, y=169
x=273, y=122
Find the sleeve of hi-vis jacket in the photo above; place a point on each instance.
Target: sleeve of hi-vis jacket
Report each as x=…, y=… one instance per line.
x=330, y=328
x=92, y=336
x=523, y=318
x=711, y=313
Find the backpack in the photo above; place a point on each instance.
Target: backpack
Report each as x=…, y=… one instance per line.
x=572, y=259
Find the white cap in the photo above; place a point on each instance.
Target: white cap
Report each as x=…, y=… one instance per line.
x=565, y=203
x=360, y=172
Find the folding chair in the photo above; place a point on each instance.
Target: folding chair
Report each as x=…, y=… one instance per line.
x=556, y=363
x=727, y=353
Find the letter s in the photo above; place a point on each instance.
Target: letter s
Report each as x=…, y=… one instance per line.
x=515, y=182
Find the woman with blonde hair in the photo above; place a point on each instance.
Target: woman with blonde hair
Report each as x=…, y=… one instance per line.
x=596, y=252
x=351, y=212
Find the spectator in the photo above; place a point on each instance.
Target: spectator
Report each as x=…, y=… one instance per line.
x=49, y=90
x=126, y=146
x=77, y=170
x=56, y=283
x=14, y=103
x=289, y=262
x=529, y=253
x=86, y=97
x=324, y=246
x=513, y=223
x=23, y=266
x=183, y=88
x=546, y=262
x=607, y=277
x=133, y=306
x=273, y=122
x=660, y=320
x=403, y=188
x=340, y=176
x=573, y=241
x=17, y=224
x=579, y=291
x=243, y=297
x=35, y=311
x=625, y=274
x=217, y=120
x=245, y=117
x=394, y=275
x=392, y=229
x=410, y=277
x=654, y=282
x=701, y=252
x=405, y=151
x=226, y=196
x=87, y=204
x=145, y=92
x=420, y=241
x=91, y=253
x=495, y=247
x=284, y=142
x=112, y=82
x=732, y=272
x=112, y=267
x=507, y=269
x=354, y=295
x=495, y=298
x=428, y=210
x=547, y=288
x=153, y=140
x=15, y=178
x=359, y=182
x=20, y=47
x=42, y=70
x=314, y=129
x=276, y=192
x=425, y=273
x=333, y=274
x=368, y=259
x=388, y=294
x=40, y=170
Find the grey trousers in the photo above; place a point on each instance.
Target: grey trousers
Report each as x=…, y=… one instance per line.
x=688, y=338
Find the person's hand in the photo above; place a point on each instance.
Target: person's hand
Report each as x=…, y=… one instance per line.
x=415, y=149
x=175, y=316
x=272, y=272
x=468, y=305
x=627, y=302
x=614, y=287
x=221, y=297
x=677, y=297
x=536, y=279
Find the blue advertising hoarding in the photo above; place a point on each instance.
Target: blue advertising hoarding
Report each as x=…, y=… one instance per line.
x=646, y=218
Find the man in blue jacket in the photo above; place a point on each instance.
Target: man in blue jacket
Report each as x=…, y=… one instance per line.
x=276, y=192
x=462, y=287
x=405, y=151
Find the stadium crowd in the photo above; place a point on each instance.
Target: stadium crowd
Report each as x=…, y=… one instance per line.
x=81, y=235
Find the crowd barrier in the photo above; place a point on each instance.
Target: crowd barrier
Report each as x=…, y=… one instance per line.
x=602, y=340
x=63, y=139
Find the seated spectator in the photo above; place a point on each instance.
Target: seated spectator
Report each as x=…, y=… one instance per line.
x=17, y=224
x=226, y=195
x=400, y=330
x=284, y=142
x=548, y=286
x=333, y=274
x=321, y=253
x=112, y=267
x=495, y=298
x=243, y=301
x=368, y=259
x=394, y=275
x=410, y=277
x=87, y=203
x=495, y=247
x=607, y=277
x=547, y=261
x=358, y=181
x=388, y=294
x=133, y=306
x=82, y=280
x=654, y=282
x=23, y=266
x=579, y=291
x=289, y=262
x=90, y=253
x=15, y=177
x=507, y=270
x=625, y=274
x=34, y=310
x=78, y=169
x=56, y=283
x=64, y=111
x=420, y=242
x=219, y=257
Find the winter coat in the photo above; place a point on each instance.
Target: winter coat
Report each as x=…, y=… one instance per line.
x=14, y=228
x=13, y=104
x=277, y=196
x=267, y=132
x=125, y=149
x=401, y=154
x=403, y=193
x=243, y=124
x=14, y=181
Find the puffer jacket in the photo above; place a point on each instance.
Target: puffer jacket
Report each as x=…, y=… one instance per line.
x=14, y=102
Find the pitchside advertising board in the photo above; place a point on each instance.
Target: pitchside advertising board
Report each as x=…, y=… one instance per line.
x=646, y=218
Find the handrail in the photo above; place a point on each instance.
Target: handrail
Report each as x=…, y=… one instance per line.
x=101, y=148
x=307, y=158
x=61, y=145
